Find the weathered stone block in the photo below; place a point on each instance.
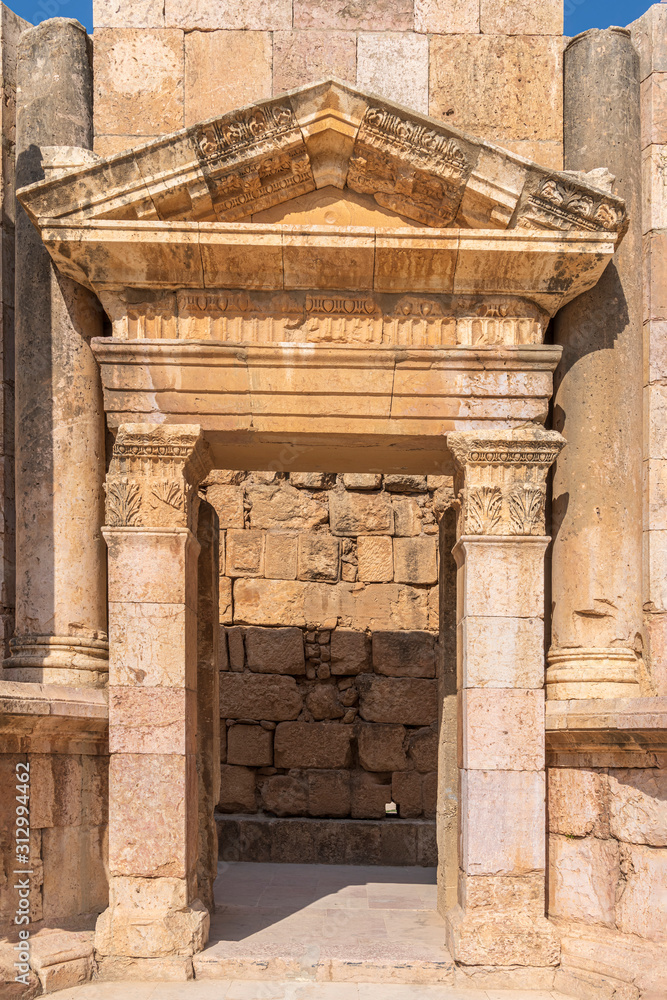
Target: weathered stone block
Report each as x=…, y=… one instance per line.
x=407, y=517
x=423, y=750
x=350, y=652
x=141, y=787
x=225, y=601
x=285, y=795
x=388, y=606
x=453, y=18
x=318, y=557
x=312, y=744
x=246, y=15
x=275, y=650
x=498, y=86
x=281, y=506
x=406, y=792
x=404, y=654
x=137, y=14
x=257, y=696
x=503, y=579
x=152, y=720
x=382, y=748
x=313, y=480
x=225, y=70
x=638, y=805
x=502, y=652
x=329, y=793
x=502, y=822
x=237, y=790
x=370, y=795
x=251, y=746
x=245, y=553
x=395, y=66
x=360, y=514
x=269, y=602
x=55, y=787
x=577, y=802
x=376, y=559
x=280, y=559
x=521, y=17
x=375, y=15
x=138, y=81
x=228, y=503
x=583, y=878
x=362, y=480
x=235, y=648
x=430, y=794
x=416, y=560
x=641, y=907
x=503, y=730
x=396, y=699
x=323, y=703
x=403, y=483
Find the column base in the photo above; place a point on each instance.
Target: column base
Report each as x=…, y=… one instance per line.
x=485, y=939
x=599, y=672
x=64, y=660
x=132, y=933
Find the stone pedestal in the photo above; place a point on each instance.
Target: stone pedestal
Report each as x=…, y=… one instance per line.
x=500, y=915
x=154, y=911
x=61, y=626
x=597, y=518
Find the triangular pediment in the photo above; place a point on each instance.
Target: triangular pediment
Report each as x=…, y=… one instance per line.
x=387, y=164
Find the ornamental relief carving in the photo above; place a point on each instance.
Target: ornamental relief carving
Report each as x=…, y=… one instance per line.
x=554, y=203
x=502, y=480
x=154, y=476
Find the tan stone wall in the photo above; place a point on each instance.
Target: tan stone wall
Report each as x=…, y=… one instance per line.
x=489, y=67
x=10, y=28
x=649, y=36
x=608, y=847
x=329, y=602
x=68, y=847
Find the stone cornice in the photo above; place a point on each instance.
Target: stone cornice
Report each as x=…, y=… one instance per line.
x=231, y=167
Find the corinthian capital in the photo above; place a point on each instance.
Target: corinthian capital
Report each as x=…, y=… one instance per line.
x=154, y=475
x=502, y=479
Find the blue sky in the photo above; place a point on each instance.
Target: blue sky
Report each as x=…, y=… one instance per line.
x=579, y=14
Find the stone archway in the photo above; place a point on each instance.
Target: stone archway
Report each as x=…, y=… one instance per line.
x=428, y=347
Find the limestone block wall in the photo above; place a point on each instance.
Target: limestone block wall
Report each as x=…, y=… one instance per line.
x=68, y=847
x=649, y=35
x=490, y=67
x=329, y=608
x=608, y=847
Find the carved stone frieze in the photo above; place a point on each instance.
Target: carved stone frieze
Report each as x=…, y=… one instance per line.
x=559, y=203
x=253, y=159
x=154, y=475
x=407, y=320
x=410, y=167
x=502, y=479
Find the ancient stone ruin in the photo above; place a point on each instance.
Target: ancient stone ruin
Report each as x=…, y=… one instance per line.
x=333, y=487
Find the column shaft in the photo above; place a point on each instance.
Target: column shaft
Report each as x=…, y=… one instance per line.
x=60, y=442
x=154, y=911
x=500, y=917
x=597, y=484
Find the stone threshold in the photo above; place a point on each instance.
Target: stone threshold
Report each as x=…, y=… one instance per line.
x=301, y=840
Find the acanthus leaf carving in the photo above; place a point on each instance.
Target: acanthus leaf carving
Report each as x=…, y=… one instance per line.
x=123, y=504
x=483, y=509
x=526, y=506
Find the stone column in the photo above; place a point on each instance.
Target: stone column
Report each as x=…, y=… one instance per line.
x=500, y=916
x=61, y=626
x=208, y=700
x=152, y=499
x=597, y=485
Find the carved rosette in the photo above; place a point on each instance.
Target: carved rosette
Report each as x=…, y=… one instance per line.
x=154, y=476
x=502, y=479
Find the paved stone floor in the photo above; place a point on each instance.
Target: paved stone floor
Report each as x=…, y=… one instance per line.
x=318, y=932
x=220, y=990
